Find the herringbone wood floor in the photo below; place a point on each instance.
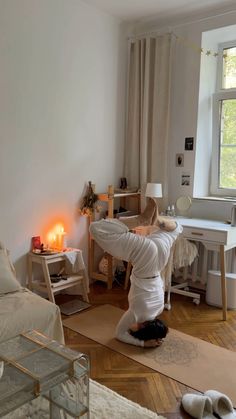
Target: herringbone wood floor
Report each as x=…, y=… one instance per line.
x=137, y=382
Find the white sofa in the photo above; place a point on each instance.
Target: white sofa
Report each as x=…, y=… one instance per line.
x=21, y=310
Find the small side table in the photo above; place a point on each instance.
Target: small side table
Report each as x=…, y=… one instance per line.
x=46, y=285
x=34, y=366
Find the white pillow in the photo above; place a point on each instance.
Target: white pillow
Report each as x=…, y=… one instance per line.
x=8, y=281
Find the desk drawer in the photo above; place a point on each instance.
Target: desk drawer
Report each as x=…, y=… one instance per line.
x=199, y=234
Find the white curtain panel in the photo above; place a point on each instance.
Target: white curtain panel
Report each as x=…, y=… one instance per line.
x=148, y=111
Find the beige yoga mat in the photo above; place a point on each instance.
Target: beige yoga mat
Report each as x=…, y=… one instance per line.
x=189, y=360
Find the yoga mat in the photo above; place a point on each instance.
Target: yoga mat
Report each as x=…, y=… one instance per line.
x=191, y=361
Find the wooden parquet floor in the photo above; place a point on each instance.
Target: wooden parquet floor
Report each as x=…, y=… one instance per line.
x=137, y=382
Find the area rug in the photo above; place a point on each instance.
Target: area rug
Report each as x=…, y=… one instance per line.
x=104, y=404
x=191, y=361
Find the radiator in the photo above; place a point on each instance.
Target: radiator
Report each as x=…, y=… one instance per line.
x=209, y=260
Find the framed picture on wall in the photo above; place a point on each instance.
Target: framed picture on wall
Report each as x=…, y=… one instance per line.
x=179, y=160
x=185, y=179
x=188, y=146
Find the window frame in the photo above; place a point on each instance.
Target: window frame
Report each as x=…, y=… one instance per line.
x=220, y=94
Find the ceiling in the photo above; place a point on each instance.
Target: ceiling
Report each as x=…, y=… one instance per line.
x=143, y=10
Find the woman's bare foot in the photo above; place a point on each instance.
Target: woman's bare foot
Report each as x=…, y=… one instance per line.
x=147, y=216
x=155, y=216
x=143, y=219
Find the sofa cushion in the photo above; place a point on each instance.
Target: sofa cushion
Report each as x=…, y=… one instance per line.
x=8, y=281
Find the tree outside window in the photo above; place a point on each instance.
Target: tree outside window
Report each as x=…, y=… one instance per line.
x=224, y=124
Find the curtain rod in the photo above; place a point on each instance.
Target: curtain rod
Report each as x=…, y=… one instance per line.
x=149, y=34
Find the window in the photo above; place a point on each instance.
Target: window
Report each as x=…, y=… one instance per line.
x=224, y=123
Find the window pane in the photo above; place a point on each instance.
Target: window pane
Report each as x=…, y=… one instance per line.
x=228, y=167
x=229, y=68
x=228, y=121
x=227, y=172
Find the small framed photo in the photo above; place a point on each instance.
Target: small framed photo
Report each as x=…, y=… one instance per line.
x=36, y=243
x=185, y=179
x=179, y=160
x=188, y=143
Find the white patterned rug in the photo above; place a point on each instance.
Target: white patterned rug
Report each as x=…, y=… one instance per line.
x=104, y=404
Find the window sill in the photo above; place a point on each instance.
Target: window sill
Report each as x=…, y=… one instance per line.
x=215, y=198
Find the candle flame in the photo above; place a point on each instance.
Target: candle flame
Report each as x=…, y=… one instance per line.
x=55, y=237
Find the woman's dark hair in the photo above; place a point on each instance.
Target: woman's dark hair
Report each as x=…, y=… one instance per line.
x=151, y=329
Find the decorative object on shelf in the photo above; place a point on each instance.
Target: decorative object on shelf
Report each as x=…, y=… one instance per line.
x=123, y=183
x=58, y=277
x=89, y=200
x=103, y=264
x=38, y=247
x=36, y=243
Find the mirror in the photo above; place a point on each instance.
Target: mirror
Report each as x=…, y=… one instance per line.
x=183, y=205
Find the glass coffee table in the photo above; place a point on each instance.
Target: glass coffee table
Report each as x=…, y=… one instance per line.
x=34, y=366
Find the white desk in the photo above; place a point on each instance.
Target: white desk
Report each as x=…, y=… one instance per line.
x=214, y=235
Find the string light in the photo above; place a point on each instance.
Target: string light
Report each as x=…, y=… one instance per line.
x=203, y=51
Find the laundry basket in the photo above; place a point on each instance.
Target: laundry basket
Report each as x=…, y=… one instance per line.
x=213, y=290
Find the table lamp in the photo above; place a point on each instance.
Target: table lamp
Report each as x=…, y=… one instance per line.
x=153, y=190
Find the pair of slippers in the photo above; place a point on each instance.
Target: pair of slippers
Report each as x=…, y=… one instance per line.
x=206, y=405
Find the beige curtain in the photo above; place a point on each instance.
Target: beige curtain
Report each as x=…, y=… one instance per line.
x=148, y=111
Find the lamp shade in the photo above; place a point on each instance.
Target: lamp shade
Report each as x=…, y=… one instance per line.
x=154, y=190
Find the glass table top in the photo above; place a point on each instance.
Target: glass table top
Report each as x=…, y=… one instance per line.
x=34, y=364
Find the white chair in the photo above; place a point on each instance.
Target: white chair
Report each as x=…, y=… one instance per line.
x=183, y=254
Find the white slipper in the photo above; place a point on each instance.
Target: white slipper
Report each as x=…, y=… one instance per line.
x=1, y=368
x=221, y=404
x=198, y=406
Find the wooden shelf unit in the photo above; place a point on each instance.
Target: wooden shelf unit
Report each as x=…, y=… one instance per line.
x=109, y=197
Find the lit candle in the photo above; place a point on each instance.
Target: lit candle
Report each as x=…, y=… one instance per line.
x=60, y=239
x=52, y=240
x=64, y=244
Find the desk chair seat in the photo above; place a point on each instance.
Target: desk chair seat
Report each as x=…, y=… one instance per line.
x=182, y=255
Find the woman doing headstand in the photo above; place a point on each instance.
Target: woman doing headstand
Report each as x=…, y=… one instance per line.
x=148, y=254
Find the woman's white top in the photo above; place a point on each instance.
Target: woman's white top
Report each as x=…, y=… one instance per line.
x=148, y=255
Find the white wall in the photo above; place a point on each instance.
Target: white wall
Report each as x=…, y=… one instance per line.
x=207, y=86
x=184, y=105
x=62, y=86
